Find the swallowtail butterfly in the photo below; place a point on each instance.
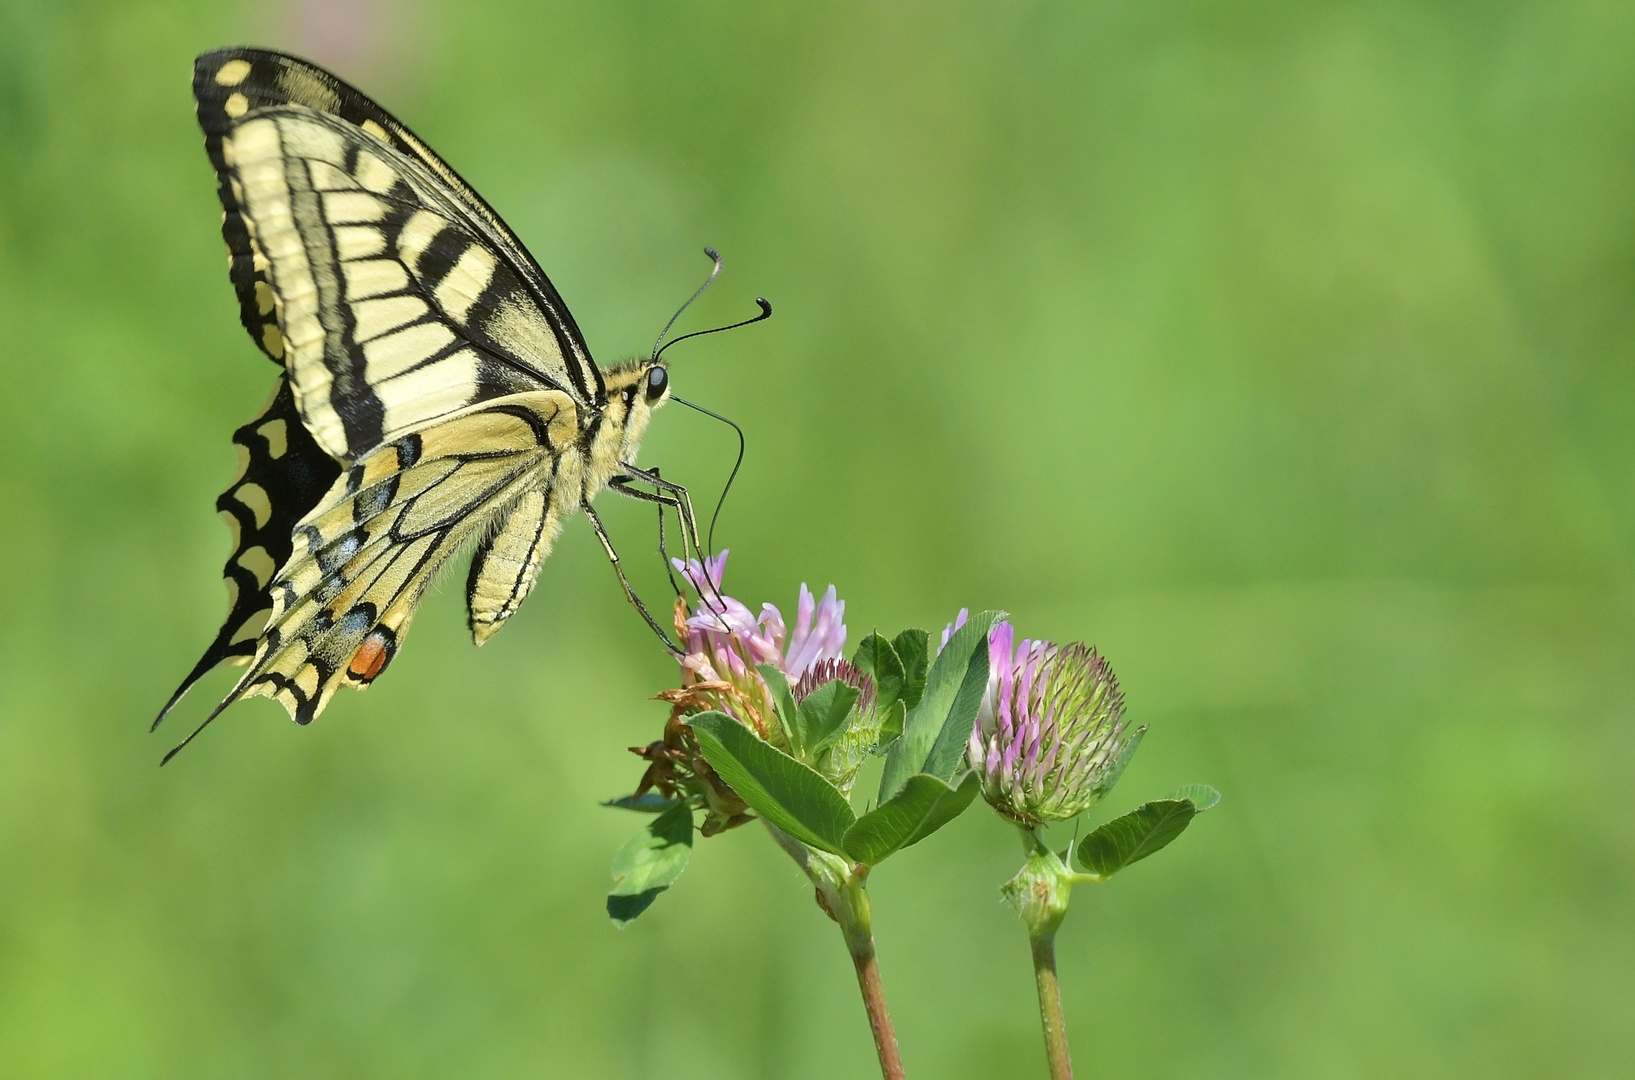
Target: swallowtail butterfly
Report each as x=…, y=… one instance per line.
x=433, y=391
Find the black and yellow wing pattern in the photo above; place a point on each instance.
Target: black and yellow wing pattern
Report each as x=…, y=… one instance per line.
x=282, y=475
x=435, y=390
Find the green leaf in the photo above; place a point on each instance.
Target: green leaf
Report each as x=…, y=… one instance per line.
x=794, y=797
x=1131, y=838
x=912, y=647
x=783, y=699
x=877, y=658
x=649, y=863
x=1203, y=796
x=936, y=731
x=924, y=805
x=649, y=802
x=891, y=727
x=821, y=717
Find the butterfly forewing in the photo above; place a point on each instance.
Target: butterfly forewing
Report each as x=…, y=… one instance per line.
x=230, y=84
x=391, y=310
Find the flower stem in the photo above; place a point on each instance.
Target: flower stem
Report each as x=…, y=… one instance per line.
x=874, y=1000
x=842, y=893
x=1040, y=892
x=1050, y=1006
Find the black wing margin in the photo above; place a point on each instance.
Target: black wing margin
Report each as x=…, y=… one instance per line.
x=283, y=475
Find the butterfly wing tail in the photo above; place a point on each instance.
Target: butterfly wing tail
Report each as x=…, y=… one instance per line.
x=282, y=476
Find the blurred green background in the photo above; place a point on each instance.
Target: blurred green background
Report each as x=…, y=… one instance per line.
x=1281, y=350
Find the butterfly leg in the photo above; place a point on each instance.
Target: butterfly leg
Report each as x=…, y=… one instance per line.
x=624, y=485
x=682, y=501
x=664, y=555
x=672, y=495
x=630, y=594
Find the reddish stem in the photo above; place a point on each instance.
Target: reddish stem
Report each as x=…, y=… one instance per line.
x=874, y=1000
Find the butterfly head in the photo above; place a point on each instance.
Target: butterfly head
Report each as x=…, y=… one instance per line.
x=634, y=390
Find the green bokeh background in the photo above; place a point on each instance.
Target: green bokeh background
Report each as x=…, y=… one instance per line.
x=1281, y=350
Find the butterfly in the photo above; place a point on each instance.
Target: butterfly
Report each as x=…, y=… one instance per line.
x=434, y=391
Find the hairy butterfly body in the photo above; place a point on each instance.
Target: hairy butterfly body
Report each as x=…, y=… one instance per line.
x=434, y=392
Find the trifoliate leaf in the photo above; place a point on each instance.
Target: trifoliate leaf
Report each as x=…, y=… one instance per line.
x=1134, y=836
x=649, y=802
x=891, y=727
x=912, y=647
x=1203, y=796
x=794, y=797
x=877, y=658
x=936, y=731
x=783, y=700
x=924, y=805
x=649, y=863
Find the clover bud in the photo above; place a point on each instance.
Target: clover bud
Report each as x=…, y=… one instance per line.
x=1050, y=739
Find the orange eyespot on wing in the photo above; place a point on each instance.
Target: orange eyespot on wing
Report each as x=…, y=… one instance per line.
x=372, y=656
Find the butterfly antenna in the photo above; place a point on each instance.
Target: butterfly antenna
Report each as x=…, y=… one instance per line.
x=709, y=541
x=659, y=348
x=765, y=313
x=715, y=271
x=760, y=301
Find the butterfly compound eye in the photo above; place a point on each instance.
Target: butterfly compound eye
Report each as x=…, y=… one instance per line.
x=658, y=380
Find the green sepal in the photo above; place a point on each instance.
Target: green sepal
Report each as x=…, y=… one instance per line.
x=1041, y=890
x=1132, y=837
x=783, y=699
x=649, y=863
x=913, y=649
x=820, y=718
x=924, y=805
x=649, y=802
x=793, y=796
x=877, y=659
x=936, y=731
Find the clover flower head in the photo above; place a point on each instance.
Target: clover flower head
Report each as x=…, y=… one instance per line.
x=1050, y=739
x=724, y=640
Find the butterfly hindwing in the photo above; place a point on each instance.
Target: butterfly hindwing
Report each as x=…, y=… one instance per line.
x=230, y=84
x=365, y=554
x=505, y=564
x=282, y=476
